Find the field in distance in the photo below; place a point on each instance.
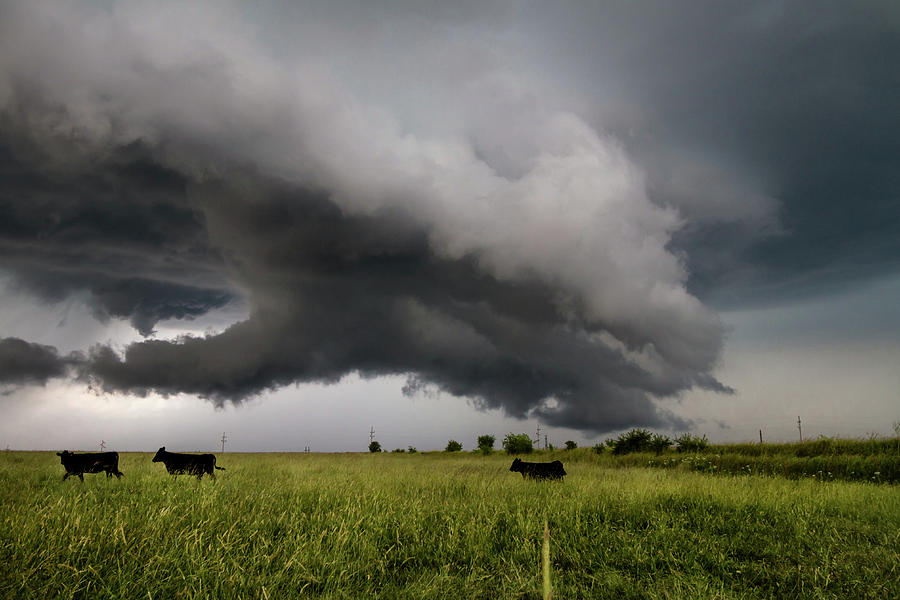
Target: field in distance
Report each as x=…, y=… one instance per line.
x=438, y=525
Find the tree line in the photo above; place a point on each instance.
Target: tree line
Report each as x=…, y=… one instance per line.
x=513, y=443
x=636, y=440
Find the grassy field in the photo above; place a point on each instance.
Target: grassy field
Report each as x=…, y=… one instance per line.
x=438, y=526
x=875, y=460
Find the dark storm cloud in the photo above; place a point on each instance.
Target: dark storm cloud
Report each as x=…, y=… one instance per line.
x=791, y=101
x=24, y=362
x=523, y=210
x=115, y=224
x=366, y=294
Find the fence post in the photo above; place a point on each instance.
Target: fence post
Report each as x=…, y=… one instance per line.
x=545, y=560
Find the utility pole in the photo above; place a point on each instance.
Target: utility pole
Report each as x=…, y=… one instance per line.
x=537, y=441
x=102, y=445
x=546, y=444
x=760, y=436
x=224, y=439
x=371, y=435
x=799, y=428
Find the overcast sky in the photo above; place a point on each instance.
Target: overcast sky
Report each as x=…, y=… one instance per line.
x=294, y=221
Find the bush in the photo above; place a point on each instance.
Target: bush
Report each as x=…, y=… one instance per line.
x=374, y=447
x=453, y=446
x=636, y=440
x=399, y=450
x=691, y=443
x=599, y=448
x=517, y=444
x=660, y=443
x=412, y=450
x=486, y=443
x=570, y=445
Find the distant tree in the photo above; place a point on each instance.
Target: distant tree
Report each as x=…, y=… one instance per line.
x=412, y=450
x=375, y=447
x=399, y=450
x=660, y=443
x=599, y=448
x=691, y=443
x=570, y=445
x=636, y=440
x=453, y=446
x=517, y=444
x=486, y=443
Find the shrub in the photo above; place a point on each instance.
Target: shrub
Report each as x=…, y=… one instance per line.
x=691, y=443
x=599, y=448
x=375, y=447
x=399, y=450
x=453, y=446
x=822, y=446
x=486, y=443
x=660, y=443
x=636, y=440
x=517, y=444
x=412, y=450
x=570, y=445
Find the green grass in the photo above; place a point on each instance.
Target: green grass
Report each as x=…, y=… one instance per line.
x=822, y=446
x=874, y=460
x=438, y=526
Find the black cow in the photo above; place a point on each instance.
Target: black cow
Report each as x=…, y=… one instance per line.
x=192, y=464
x=90, y=462
x=531, y=470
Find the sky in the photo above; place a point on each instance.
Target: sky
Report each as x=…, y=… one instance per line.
x=295, y=221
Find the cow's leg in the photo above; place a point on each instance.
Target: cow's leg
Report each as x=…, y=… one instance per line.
x=212, y=475
x=81, y=477
x=66, y=476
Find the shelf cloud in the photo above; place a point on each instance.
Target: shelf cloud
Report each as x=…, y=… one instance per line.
x=434, y=212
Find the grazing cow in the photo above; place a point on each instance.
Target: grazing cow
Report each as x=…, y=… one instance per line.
x=192, y=464
x=531, y=470
x=90, y=462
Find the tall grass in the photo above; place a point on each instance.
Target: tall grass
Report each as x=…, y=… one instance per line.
x=437, y=526
x=875, y=460
x=822, y=446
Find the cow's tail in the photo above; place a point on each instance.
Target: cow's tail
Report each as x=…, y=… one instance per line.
x=220, y=468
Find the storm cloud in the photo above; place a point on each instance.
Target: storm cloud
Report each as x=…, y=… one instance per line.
x=23, y=362
x=434, y=208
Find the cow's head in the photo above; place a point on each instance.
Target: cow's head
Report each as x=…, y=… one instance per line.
x=159, y=454
x=63, y=456
x=517, y=465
